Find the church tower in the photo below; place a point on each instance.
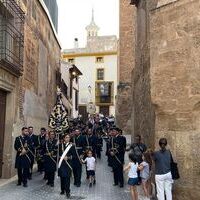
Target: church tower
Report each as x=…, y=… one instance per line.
x=92, y=29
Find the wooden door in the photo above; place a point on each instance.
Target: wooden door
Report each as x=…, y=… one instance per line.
x=2, y=125
x=104, y=110
x=83, y=111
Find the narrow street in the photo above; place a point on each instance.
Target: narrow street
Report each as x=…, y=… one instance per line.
x=38, y=190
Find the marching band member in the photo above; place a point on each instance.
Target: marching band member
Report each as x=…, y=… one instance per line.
x=50, y=155
x=23, y=162
x=66, y=153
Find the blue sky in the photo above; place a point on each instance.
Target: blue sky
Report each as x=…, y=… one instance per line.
x=75, y=15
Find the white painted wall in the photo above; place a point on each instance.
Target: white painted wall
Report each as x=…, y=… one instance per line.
x=65, y=66
x=88, y=67
x=75, y=86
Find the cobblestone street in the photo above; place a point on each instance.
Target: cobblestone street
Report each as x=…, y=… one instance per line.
x=38, y=190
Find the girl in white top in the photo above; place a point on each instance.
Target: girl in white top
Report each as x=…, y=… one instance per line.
x=133, y=176
x=91, y=166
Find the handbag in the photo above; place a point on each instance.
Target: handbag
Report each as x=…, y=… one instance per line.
x=174, y=169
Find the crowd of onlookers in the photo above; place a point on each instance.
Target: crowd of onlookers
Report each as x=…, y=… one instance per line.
x=144, y=163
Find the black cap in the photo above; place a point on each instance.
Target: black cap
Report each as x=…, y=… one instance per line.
x=114, y=128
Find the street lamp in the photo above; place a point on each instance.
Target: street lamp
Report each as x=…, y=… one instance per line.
x=89, y=88
x=90, y=91
x=74, y=73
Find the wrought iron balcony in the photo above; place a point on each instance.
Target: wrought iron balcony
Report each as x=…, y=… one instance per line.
x=104, y=93
x=11, y=36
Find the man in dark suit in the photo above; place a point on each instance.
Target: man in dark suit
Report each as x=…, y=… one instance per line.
x=50, y=147
x=78, y=142
x=66, y=154
x=39, y=150
x=33, y=138
x=117, y=156
x=23, y=162
x=90, y=142
x=123, y=138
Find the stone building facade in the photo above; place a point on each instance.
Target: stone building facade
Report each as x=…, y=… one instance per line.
x=28, y=91
x=126, y=63
x=98, y=63
x=166, y=84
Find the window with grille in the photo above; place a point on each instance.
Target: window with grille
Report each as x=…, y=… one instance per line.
x=100, y=74
x=71, y=60
x=64, y=88
x=99, y=59
x=104, y=92
x=11, y=36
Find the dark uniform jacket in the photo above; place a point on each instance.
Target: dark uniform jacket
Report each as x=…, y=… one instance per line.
x=66, y=166
x=33, y=139
x=90, y=143
x=117, y=147
x=78, y=143
x=23, y=161
x=99, y=143
x=39, y=143
x=50, y=154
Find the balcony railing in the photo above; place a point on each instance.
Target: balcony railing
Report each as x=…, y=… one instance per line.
x=11, y=36
x=104, y=93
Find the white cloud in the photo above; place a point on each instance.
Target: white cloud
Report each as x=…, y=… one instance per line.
x=75, y=15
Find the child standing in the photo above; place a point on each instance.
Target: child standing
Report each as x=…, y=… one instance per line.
x=133, y=176
x=144, y=168
x=91, y=166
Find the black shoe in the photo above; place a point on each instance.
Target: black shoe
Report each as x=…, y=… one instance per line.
x=68, y=195
x=94, y=182
x=90, y=185
x=78, y=185
x=30, y=178
x=18, y=184
x=25, y=185
x=121, y=186
x=52, y=185
x=115, y=184
x=62, y=192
